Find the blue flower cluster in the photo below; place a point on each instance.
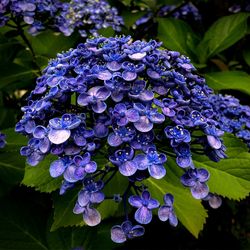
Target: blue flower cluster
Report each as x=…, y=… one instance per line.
x=232, y=117
x=84, y=15
x=133, y=101
x=88, y=16
x=186, y=12
x=2, y=140
x=37, y=14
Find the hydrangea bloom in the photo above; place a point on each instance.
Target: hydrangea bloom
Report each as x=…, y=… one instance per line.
x=133, y=102
x=87, y=16
x=38, y=14
x=231, y=116
x=2, y=140
x=84, y=15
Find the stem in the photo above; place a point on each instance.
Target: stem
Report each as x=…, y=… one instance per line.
x=124, y=198
x=111, y=176
x=26, y=41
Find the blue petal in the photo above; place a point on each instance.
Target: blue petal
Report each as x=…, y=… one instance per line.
x=128, y=168
x=137, y=56
x=129, y=76
x=97, y=197
x=143, y=125
x=83, y=198
x=153, y=74
x=200, y=190
x=69, y=174
x=214, y=142
x=44, y=145
x=157, y=171
x=141, y=161
x=135, y=201
x=102, y=93
x=91, y=167
x=137, y=231
x=117, y=234
x=168, y=199
x=164, y=212
x=132, y=115
x=173, y=219
x=91, y=217
x=114, y=140
x=99, y=107
x=57, y=168
x=202, y=174
x=184, y=162
x=59, y=136
x=114, y=66
x=153, y=203
x=146, y=95
x=104, y=75
x=157, y=118
x=39, y=132
x=78, y=209
x=55, y=123
x=143, y=215
x=83, y=99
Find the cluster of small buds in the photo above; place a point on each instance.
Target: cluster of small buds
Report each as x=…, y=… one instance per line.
x=232, y=117
x=122, y=99
x=88, y=16
x=85, y=15
x=186, y=12
x=2, y=140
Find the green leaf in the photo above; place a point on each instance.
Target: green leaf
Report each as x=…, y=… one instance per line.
x=39, y=177
x=177, y=35
x=230, y=177
x=63, y=210
x=246, y=55
x=13, y=76
x=189, y=211
x=63, y=205
x=85, y=237
x=49, y=44
x=222, y=34
x=20, y=227
x=11, y=162
x=236, y=80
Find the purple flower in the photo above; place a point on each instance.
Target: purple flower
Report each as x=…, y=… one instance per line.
x=195, y=179
x=91, y=193
x=123, y=115
x=148, y=116
x=90, y=215
x=177, y=134
x=61, y=128
x=80, y=167
x=214, y=200
x=143, y=141
x=95, y=97
x=166, y=211
x=184, y=156
x=32, y=152
x=123, y=159
x=131, y=70
x=120, y=234
x=145, y=204
x=120, y=135
x=153, y=161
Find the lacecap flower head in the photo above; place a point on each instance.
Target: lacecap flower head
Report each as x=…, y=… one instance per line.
x=135, y=103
